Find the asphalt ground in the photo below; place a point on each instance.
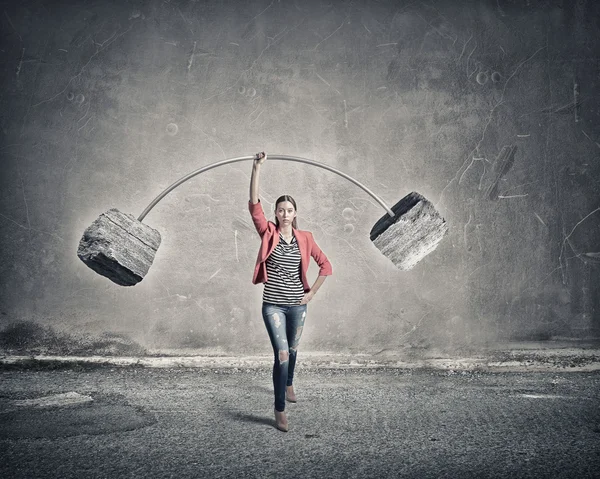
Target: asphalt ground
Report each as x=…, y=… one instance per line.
x=181, y=422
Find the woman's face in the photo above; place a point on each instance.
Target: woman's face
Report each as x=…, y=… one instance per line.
x=285, y=213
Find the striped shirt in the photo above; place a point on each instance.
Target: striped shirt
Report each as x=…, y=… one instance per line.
x=284, y=285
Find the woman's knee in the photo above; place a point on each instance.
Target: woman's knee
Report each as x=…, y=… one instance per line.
x=284, y=356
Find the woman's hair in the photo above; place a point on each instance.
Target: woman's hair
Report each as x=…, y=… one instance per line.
x=291, y=200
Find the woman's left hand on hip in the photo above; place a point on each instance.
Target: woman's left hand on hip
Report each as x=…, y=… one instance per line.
x=307, y=297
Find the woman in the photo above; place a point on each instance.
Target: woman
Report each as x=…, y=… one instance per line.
x=282, y=263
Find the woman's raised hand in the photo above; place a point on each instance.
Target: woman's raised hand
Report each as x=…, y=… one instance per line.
x=260, y=158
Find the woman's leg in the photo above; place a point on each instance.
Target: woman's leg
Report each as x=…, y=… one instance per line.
x=294, y=326
x=275, y=321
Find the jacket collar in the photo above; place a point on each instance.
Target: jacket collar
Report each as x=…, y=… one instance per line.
x=297, y=233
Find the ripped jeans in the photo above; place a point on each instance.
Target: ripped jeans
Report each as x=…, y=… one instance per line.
x=284, y=324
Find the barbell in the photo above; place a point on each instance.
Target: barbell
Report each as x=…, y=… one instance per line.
x=122, y=248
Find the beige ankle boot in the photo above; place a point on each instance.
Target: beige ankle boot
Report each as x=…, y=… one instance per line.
x=281, y=420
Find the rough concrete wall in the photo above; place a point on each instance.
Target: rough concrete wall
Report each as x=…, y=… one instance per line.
x=105, y=104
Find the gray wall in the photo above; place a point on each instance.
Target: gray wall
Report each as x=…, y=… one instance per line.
x=104, y=104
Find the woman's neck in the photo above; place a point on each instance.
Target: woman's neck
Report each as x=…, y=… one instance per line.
x=286, y=231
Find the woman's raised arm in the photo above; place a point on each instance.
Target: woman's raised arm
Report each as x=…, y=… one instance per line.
x=259, y=159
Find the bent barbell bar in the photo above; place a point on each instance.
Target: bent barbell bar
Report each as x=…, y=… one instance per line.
x=270, y=157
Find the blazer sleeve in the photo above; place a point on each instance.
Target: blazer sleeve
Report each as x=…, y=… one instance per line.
x=318, y=255
x=258, y=217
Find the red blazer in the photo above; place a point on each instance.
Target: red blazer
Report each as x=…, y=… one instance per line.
x=269, y=234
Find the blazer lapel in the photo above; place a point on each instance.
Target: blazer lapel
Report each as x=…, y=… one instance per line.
x=274, y=240
x=302, y=245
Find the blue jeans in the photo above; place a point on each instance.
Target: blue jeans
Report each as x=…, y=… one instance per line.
x=284, y=324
